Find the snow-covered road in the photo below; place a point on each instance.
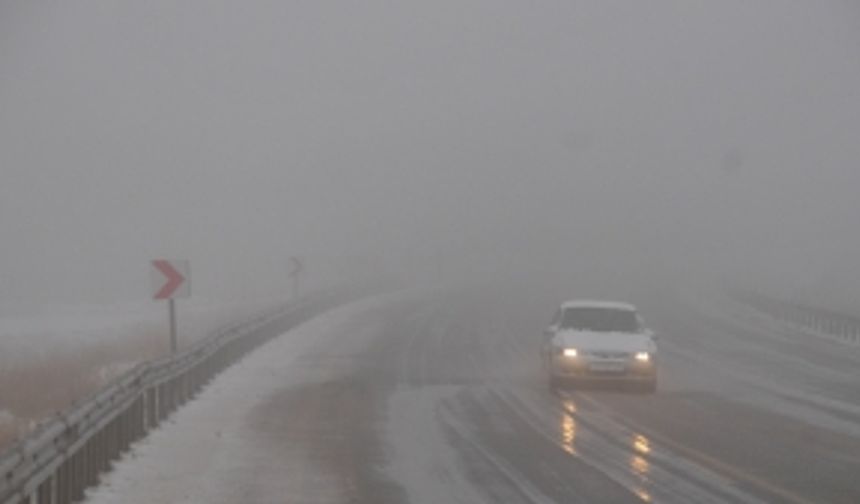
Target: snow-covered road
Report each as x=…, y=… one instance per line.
x=436, y=396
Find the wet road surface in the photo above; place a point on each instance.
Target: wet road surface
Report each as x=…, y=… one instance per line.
x=437, y=396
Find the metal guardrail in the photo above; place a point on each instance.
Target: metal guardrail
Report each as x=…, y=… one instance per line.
x=58, y=461
x=829, y=323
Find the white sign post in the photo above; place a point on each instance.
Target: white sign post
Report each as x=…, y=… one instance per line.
x=171, y=280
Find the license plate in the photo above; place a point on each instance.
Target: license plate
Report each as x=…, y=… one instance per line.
x=607, y=367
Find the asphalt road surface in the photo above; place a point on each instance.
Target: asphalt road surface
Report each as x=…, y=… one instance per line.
x=436, y=396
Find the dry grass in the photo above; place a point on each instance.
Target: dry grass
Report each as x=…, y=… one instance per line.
x=39, y=387
x=38, y=381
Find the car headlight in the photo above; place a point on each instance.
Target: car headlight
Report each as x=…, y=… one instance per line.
x=643, y=356
x=569, y=352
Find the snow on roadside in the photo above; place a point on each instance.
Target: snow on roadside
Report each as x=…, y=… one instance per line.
x=205, y=454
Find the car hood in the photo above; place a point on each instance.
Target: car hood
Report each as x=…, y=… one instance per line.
x=593, y=340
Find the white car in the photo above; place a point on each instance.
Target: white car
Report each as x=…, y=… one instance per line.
x=600, y=341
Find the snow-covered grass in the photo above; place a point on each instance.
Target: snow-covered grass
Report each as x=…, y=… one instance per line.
x=48, y=362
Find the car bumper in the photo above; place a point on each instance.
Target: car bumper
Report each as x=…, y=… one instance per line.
x=603, y=370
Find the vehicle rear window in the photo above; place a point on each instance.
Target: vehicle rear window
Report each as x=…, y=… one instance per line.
x=600, y=319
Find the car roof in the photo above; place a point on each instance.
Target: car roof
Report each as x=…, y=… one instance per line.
x=592, y=303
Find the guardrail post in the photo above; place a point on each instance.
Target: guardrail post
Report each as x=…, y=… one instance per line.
x=120, y=429
x=180, y=392
x=67, y=481
x=73, y=479
x=137, y=419
x=186, y=381
x=98, y=449
x=162, y=402
x=111, y=440
x=180, y=389
x=171, y=388
x=117, y=438
x=89, y=460
x=144, y=412
x=192, y=383
x=165, y=400
x=127, y=421
x=63, y=484
x=109, y=443
x=81, y=479
x=117, y=450
x=175, y=393
x=153, y=408
x=76, y=478
x=144, y=416
x=95, y=465
x=46, y=493
x=169, y=397
x=131, y=435
x=77, y=466
x=82, y=473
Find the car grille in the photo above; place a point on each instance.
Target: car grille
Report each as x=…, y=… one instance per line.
x=607, y=354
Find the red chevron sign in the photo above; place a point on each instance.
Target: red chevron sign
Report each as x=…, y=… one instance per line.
x=171, y=279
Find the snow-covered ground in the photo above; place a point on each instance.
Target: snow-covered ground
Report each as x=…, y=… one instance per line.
x=199, y=454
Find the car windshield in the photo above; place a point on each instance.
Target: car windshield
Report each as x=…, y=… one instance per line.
x=600, y=319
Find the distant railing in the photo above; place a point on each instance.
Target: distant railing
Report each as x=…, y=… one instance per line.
x=59, y=460
x=820, y=321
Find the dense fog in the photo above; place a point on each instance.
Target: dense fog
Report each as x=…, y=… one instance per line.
x=664, y=141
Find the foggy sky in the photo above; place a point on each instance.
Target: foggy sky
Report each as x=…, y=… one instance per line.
x=418, y=139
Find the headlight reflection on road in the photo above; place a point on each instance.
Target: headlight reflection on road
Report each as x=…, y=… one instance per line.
x=568, y=427
x=642, y=494
x=641, y=467
x=639, y=464
x=641, y=444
